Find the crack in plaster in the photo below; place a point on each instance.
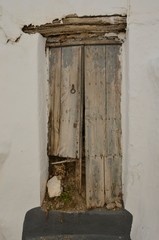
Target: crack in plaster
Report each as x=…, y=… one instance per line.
x=9, y=29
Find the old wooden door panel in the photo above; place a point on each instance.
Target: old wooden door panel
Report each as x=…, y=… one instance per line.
x=113, y=123
x=95, y=141
x=100, y=66
x=102, y=124
x=70, y=102
x=55, y=91
x=66, y=92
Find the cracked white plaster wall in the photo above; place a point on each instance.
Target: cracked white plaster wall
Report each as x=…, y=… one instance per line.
x=18, y=78
x=9, y=27
x=21, y=175
x=144, y=12
x=142, y=185
x=23, y=123
x=39, y=12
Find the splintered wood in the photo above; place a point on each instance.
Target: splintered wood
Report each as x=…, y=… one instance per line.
x=80, y=30
x=74, y=24
x=102, y=124
x=113, y=172
x=65, y=74
x=85, y=84
x=95, y=141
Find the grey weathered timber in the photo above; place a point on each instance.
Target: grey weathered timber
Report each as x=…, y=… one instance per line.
x=81, y=145
x=65, y=73
x=95, y=71
x=74, y=30
x=55, y=105
x=113, y=124
x=95, y=224
x=102, y=124
x=81, y=39
x=95, y=139
x=53, y=30
x=98, y=20
x=74, y=25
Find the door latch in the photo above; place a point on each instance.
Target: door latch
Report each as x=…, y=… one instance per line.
x=73, y=90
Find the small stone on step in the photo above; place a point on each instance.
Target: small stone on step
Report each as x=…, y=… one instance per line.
x=54, y=187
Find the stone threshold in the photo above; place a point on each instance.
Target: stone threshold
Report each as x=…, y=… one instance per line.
x=91, y=224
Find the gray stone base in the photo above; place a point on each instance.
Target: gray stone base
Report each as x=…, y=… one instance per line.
x=92, y=224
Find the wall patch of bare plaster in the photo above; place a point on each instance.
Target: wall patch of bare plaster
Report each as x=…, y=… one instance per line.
x=10, y=30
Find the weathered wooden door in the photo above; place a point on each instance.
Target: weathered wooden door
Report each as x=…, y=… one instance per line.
x=65, y=75
x=88, y=77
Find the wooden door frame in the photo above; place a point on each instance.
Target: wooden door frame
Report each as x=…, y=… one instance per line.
x=86, y=30
x=74, y=30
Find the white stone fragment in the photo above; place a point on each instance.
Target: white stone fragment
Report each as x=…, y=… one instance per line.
x=54, y=187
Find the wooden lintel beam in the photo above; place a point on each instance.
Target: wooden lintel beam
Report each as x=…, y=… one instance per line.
x=71, y=25
x=98, y=20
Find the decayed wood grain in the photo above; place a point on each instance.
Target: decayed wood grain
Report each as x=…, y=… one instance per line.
x=50, y=30
x=95, y=142
x=113, y=126
x=81, y=36
x=81, y=146
x=83, y=39
x=98, y=20
x=66, y=75
x=103, y=124
x=101, y=71
x=76, y=25
x=55, y=94
x=70, y=102
x=81, y=30
x=74, y=42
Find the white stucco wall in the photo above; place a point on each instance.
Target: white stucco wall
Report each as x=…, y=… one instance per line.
x=23, y=114
x=142, y=151
x=19, y=130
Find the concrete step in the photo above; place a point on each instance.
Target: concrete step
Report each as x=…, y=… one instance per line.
x=79, y=237
x=93, y=224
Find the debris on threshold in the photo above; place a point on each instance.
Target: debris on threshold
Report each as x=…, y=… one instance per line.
x=54, y=187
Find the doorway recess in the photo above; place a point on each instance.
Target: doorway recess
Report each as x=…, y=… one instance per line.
x=85, y=122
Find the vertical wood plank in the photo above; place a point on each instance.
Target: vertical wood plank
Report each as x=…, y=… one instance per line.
x=102, y=116
x=70, y=102
x=81, y=146
x=55, y=106
x=113, y=129
x=66, y=96
x=95, y=141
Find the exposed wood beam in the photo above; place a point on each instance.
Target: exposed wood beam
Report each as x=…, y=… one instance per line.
x=72, y=24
